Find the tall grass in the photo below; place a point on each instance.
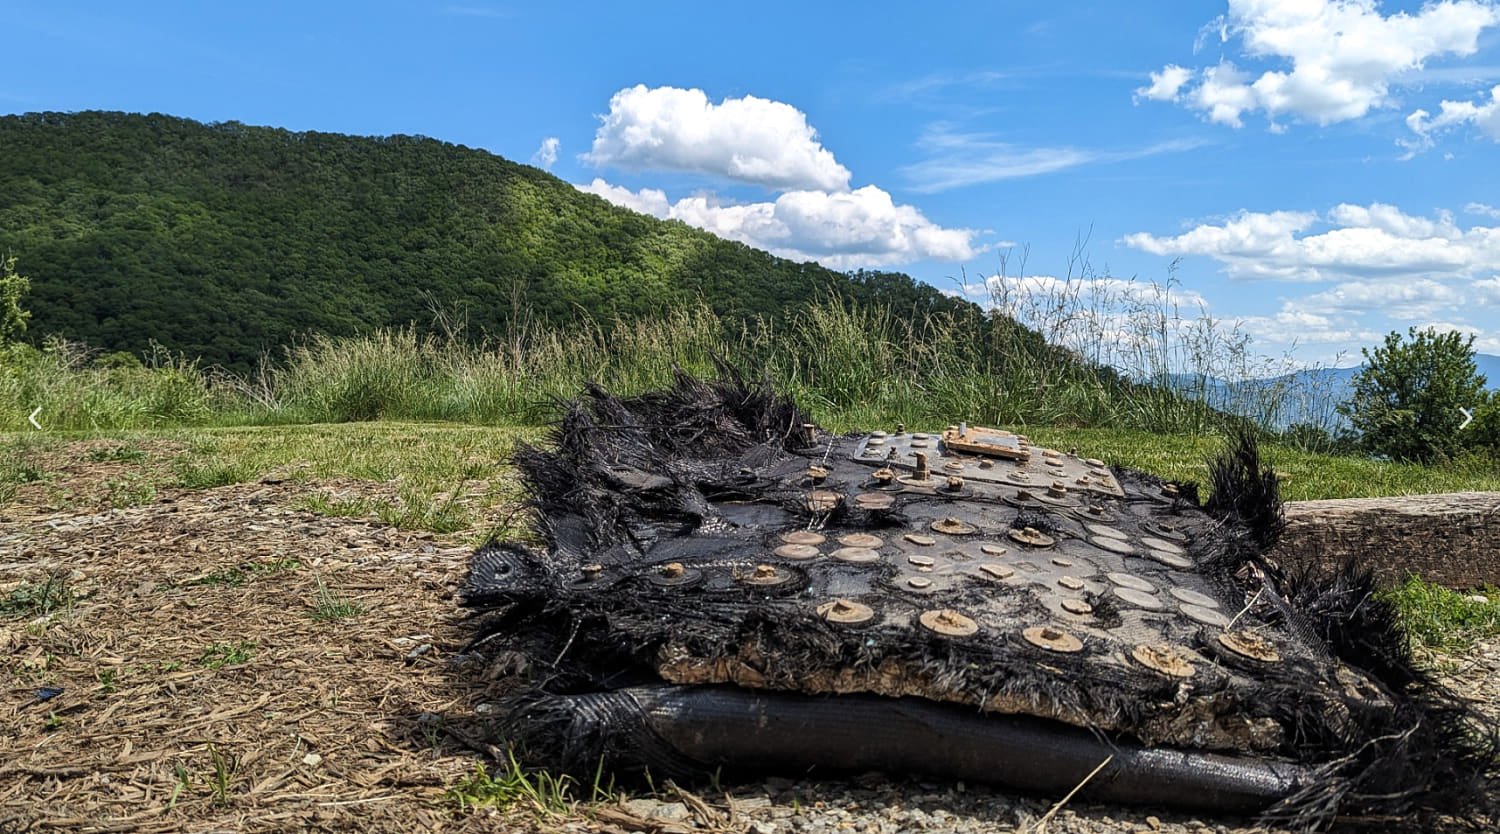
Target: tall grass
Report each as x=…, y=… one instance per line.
x=849, y=366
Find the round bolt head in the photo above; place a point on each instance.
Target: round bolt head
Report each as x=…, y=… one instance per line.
x=1032, y=537
x=920, y=583
x=955, y=483
x=1192, y=597
x=1166, y=659
x=920, y=540
x=874, y=501
x=1140, y=599
x=880, y=435
x=846, y=612
x=1162, y=545
x=817, y=474
x=1204, y=616
x=861, y=540
x=796, y=551
x=1053, y=639
x=884, y=475
x=858, y=555
x=1077, y=606
x=1171, y=560
x=1094, y=462
x=920, y=561
x=994, y=570
x=1113, y=545
x=674, y=574
x=992, y=550
x=954, y=527
x=1165, y=531
x=948, y=623
x=1107, y=531
x=1057, y=490
x=1129, y=580
x=765, y=576
x=807, y=537
x=823, y=500
x=953, y=467
x=1072, y=583
x=1251, y=645
x=672, y=570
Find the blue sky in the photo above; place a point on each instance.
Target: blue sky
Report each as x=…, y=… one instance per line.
x=1320, y=171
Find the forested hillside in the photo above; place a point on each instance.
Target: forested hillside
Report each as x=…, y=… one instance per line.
x=222, y=241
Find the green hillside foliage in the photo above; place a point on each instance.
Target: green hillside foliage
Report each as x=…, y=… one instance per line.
x=223, y=242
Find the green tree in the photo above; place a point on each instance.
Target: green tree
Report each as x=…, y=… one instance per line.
x=12, y=286
x=1408, y=394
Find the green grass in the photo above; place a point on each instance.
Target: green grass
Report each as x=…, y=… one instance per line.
x=543, y=793
x=38, y=599
x=329, y=605
x=219, y=655
x=1443, y=619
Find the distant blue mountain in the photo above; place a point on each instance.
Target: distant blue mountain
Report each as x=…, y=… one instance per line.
x=1303, y=397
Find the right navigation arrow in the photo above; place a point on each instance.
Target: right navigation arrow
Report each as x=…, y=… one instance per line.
x=1468, y=417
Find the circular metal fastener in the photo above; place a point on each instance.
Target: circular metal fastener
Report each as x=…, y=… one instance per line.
x=1107, y=531
x=858, y=555
x=992, y=550
x=1166, y=659
x=919, y=583
x=1051, y=453
x=920, y=561
x=1162, y=545
x=1017, y=478
x=955, y=483
x=1251, y=645
x=1072, y=583
x=914, y=481
x=1192, y=597
x=1128, y=580
x=1171, y=560
x=1058, y=489
x=919, y=444
x=954, y=526
x=878, y=435
x=884, y=475
x=953, y=467
x=861, y=540
x=1061, y=562
x=1140, y=599
x=1165, y=531
x=796, y=551
x=1205, y=616
x=1094, y=462
x=1119, y=546
x=1099, y=513
x=1077, y=606
x=1032, y=537
x=918, y=436
x=874, y=501
x=823, y=500
x=674, y=574
x=994, y=570
x=920, y=540
x=766, y=576
x=817, y=474
x=846, y=612
x=1053, y=639
x=949, y=623
x=803, y=537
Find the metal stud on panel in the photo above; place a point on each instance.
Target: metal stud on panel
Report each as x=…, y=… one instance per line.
x=1032, y=537
x=674, y=574
x=1192, y=597
x=1163, y=545
x=1166, y=659
x=766, y=575
x=1053, y=639
x=823, y=500
x=858, y=555
x=996, y=570
x=1251, y=645
x=1113, y=545
x=796, y=551
x=846, y=612
x=861, y=540
x=920, y=540
x=874, y=501
x=948, y=623
x=1077, y=606
x=1128, y=580
x=803, y=537
x=954, y=527
x=1140, y=599
x=1171, y=560
x=1205, y=616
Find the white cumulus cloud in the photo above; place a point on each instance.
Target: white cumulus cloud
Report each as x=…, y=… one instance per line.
x=1483, y=115
x=1350, y=242
x=842, y=230
x=1332, y=60
x=748, y=139
x=547, y=153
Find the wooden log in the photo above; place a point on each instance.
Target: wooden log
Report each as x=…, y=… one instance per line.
x=1451, y=539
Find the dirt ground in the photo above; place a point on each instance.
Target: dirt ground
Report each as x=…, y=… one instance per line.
x=219, y=660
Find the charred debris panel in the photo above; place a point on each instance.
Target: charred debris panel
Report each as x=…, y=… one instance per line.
x=726, y=587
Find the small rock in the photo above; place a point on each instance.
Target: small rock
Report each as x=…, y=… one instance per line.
x=312, y=760
x=671, y=811
x=761, y=828
x=643, y=808
x=1154, y=822
x=1479, y=598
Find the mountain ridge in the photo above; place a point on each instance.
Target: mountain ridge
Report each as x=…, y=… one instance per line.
x=224, y=241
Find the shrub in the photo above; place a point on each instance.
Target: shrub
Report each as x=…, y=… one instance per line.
x=1408, y=394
